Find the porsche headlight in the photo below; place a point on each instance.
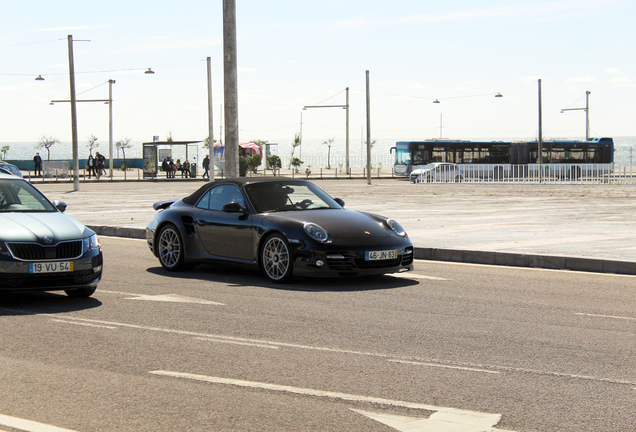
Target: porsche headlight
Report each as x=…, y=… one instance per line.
x=91, y=242
x=396, y=227
x=316, y=232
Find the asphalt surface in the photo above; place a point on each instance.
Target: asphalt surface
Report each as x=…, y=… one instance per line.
x=575, y=227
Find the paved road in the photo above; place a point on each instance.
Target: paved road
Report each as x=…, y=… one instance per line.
x=579, y=227
x=221, y=348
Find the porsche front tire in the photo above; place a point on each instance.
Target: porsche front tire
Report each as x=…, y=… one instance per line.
x=170, y=248
x=276, y=259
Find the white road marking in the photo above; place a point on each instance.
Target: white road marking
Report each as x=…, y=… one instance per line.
x=65, y=321
x=409, y=275
x=440, y=421
x=170, y=298
x=29, y=425
x=444, y=366
x=352, y=352
x=606, y=316
x=212, y=339
x=468, y=421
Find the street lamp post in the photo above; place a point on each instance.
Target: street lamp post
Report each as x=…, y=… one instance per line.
x=346, y=107
x=110, y=126
x=587, y=114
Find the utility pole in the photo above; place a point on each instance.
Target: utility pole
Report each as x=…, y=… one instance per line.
x=110, y=126
x=540, y=139
x=210, y=129
x=368, y=131
x=230, y=87
x=587, y=114
x=71, y=69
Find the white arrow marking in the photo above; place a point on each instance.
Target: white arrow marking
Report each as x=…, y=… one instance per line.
x=29, y=425
x=441, y=421
x=170, y=298
x=454, y=420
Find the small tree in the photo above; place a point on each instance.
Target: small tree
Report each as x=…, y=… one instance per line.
x=296, y=143
x=4, y=151
x=47, y=143
x=274, y=163
x=254, y=161
x=296, y=163
x=329, y=142
x=123, y=145
x=92, y=143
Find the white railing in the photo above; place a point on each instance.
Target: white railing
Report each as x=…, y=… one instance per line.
x=531, y=173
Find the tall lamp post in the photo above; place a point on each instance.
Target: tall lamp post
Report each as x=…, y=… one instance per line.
x=587, y=114
x=108, y=101
x=346, y=107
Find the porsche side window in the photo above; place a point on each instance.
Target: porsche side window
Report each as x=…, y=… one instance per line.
x=204, y=202
x=221, y=195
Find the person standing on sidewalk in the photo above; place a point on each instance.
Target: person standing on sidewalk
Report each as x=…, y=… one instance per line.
x=37, y=161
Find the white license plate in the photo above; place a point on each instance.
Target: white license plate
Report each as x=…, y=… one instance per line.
x=51, y=267
x=380, y=255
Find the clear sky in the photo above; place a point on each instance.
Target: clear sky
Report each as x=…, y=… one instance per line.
x=293, y=53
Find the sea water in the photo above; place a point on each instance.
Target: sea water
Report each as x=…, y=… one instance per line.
x=312, y=152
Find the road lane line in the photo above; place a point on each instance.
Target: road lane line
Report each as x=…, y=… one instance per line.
x=212, y=339
x=605, y=316
x=64, y=321
x=353, y=352
x=444, y=366
x=484, y=420
x=29, y=425
x=409, y=275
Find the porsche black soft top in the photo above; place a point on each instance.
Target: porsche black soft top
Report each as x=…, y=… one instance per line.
x=240, y=182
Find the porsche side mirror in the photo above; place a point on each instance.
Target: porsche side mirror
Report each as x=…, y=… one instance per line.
x=61, y=205
x=340, y=202
x=234, y=207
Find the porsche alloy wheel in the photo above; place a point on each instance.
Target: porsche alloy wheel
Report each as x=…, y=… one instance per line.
x=276, y=259
x=170, y=248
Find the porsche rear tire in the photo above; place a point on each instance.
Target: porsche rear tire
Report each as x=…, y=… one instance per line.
x=170, y=248
x=276, y=259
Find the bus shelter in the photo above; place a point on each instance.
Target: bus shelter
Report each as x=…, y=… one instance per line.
x=155, y=152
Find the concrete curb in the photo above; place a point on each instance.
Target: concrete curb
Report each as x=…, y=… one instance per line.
x=592, y=265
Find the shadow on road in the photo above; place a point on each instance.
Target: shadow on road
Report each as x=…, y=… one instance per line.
x=239, y=275
x=38, y=302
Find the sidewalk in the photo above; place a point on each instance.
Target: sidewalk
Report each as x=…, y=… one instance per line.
x=576, y=227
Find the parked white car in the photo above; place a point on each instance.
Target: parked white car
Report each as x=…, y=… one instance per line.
x=439, y=172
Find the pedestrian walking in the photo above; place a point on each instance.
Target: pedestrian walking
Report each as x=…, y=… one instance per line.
x=37, y=162
x=91, y=166
x=206, y=166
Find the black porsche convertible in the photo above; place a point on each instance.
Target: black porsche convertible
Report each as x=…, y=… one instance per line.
x=289, y=227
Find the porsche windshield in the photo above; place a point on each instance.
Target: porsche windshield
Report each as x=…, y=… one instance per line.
x=282, y=196
x=20, y=196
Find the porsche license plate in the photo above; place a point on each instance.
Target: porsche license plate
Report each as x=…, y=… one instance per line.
x=51, y=267
x=380, y=255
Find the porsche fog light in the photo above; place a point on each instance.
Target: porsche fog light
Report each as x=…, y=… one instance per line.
x=396, y=227
x=320, y=263
x=316, y=232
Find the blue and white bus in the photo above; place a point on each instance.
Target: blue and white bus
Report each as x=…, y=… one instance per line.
x=569, y=159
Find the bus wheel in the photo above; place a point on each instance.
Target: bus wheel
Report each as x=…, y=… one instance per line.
x=575, y=173
x=459, y=179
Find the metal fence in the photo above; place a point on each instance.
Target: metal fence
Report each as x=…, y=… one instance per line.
x=531, y=173
x=56, y=169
